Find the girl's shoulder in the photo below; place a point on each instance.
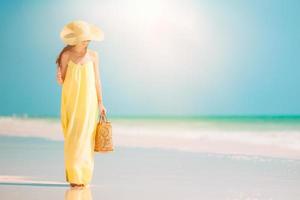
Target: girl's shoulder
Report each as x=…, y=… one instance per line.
x=93, y=54
x=66, y=54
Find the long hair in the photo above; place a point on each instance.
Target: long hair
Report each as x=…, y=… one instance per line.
x=66, y=48
x=58, y=59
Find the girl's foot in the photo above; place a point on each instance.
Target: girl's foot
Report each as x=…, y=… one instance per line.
x=76, y=185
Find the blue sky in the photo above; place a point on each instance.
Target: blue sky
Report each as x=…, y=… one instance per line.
x=159, y=57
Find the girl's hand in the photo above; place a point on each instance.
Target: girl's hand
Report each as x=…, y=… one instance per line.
x=59, y=77
x=102, y=109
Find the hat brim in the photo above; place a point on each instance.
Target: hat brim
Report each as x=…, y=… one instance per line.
x=69, y=37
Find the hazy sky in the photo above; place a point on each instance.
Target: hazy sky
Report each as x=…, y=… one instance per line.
x=159, y=57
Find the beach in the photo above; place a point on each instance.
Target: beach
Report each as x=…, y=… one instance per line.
x=201, y=95
x=175, y=159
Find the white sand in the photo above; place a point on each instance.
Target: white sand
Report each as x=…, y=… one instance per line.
x=33, y=168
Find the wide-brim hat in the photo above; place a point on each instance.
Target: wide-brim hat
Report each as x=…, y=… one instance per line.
x=79, y=30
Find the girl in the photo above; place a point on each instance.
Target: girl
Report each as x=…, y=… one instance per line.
x=81, y=99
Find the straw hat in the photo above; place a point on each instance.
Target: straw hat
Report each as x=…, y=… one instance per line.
x=79, y=30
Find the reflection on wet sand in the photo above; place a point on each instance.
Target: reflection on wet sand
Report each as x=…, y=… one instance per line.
x=83, y=193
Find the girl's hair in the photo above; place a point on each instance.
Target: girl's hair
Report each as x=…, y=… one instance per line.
x=58, y=59
x=66, y=48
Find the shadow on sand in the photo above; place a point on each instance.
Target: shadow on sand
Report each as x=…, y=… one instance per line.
x=34, y=183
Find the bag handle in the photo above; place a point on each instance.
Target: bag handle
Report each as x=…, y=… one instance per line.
x=103, y=117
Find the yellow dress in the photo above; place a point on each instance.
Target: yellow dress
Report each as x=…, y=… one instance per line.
x=79, y=117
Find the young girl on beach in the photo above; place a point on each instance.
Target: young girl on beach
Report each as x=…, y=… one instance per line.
x=81, y=99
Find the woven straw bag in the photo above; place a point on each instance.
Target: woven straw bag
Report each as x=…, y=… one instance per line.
x=103, y=137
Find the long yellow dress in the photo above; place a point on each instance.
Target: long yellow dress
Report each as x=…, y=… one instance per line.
x=79, y=116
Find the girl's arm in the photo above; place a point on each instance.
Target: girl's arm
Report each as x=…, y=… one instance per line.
x=63, y=65
x=97, y=77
